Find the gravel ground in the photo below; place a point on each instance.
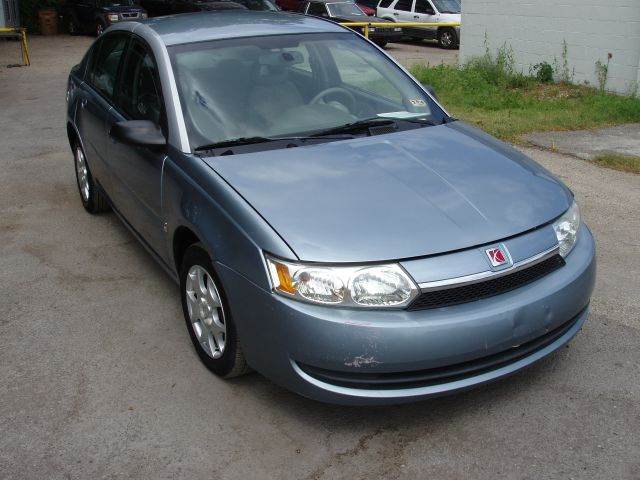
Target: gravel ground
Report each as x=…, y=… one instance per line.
x=99, y=379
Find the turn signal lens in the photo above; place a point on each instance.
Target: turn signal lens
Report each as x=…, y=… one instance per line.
x=286, y=284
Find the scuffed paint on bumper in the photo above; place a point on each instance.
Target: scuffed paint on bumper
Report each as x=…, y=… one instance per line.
x=281, y=336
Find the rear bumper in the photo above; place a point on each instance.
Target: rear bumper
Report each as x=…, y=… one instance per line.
x=365, y=357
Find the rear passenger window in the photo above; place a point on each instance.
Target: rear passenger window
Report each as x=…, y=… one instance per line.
x=104, y=66
x=404, y=5
x=385, y=3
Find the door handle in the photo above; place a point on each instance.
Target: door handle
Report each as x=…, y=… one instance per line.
x=83, y=102
x=395, y=14
x=416, y=16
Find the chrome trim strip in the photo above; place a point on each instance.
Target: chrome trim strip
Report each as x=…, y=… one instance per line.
x=482, y=276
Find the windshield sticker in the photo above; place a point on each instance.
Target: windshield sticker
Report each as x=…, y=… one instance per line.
x=417, y=102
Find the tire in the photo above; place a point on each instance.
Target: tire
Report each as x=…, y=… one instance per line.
x=99, y=28
x=208, y=317
x=381, y=44
x=93, y=200
x=447, y=38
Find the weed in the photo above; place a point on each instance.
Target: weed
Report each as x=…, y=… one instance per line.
x=626, y=163
x=561, y=70
x=602, y=72
x=543, y=72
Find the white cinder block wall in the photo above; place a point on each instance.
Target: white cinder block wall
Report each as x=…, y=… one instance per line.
x=536, y=29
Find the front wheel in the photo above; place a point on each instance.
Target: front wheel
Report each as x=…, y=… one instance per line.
x=92, y=198
x=206, y=312
x=447, y=38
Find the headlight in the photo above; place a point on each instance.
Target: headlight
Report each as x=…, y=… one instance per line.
x=145, y=15
x=372, y=29
x=379, y=286
x=112, y=18
x=566, y=228
x=397, y=29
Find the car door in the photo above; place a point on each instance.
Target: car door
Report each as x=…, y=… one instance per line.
x=137, y=170
x=402, y=11
x=95, y=99
x=424, y=12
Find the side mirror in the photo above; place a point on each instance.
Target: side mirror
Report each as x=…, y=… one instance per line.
x=143, y=133
x=430, y=89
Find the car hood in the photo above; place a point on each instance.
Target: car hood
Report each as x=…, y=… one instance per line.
x=400, y=195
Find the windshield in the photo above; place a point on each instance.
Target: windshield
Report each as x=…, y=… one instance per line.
x=290, y=85
x=258, y=4
x=344, y=9
x=447, y=6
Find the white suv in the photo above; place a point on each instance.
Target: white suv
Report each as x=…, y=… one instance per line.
x=427, y=11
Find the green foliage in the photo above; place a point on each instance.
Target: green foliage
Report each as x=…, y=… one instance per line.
x=507, y=105
x=626, y=163
x=602, y=72
x=561, y=69
x=543, y=72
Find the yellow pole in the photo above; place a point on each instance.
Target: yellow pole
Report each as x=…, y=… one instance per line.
x=23, y=42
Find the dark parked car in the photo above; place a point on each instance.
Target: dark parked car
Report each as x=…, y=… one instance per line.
x=289, y=5
x=341, y=11
x=94, y=16
x=158, y=8
x=328, y=222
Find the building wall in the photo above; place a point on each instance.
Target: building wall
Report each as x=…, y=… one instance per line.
x=2, y=20
x=536, y=30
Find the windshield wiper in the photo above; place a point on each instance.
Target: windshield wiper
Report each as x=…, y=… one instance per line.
x=254, y=140
x=235, y=142
x=358, y=126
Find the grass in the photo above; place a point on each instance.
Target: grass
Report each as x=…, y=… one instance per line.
x=488, y=93
x=626, y=163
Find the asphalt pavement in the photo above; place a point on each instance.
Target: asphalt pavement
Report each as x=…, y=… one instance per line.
x=100, y=381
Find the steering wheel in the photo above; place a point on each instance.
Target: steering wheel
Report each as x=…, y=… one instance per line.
x=339, y=92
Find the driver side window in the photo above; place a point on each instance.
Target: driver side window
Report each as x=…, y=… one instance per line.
x=140, y=95
x=423, y=6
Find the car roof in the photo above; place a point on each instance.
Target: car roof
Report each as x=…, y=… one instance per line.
x=214, y=25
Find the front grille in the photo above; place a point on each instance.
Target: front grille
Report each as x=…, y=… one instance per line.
x=440, y=375
x=129, y=15
x=487, y=288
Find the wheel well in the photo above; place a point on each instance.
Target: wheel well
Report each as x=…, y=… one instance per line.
x=71, y=135
x=183, y=238
x=441, y=29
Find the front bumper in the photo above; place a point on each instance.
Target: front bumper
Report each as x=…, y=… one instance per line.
x=290, y=342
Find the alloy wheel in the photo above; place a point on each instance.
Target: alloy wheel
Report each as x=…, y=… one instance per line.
x=205, y=311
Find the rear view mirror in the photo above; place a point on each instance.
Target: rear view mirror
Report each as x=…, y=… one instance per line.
x=138, y=132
